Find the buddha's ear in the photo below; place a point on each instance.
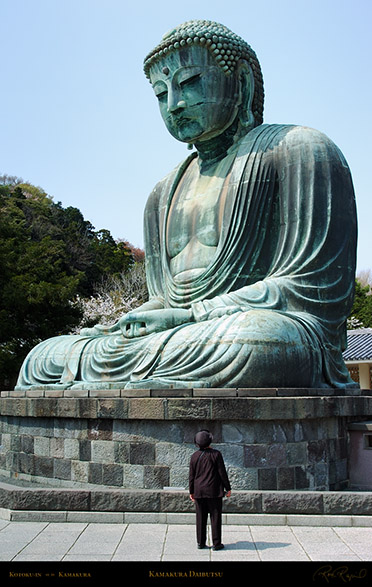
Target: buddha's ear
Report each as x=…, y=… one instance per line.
x=246, y=88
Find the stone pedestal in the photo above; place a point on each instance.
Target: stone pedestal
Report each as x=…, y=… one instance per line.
x=271, y=439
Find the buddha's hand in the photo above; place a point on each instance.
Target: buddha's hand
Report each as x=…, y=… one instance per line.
x=224, y=311
x=137, y=323
x=100, y=330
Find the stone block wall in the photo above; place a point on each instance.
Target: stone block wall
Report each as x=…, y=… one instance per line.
x=269, y=442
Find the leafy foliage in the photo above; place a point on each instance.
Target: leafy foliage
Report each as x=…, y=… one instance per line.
x=48, y=256
x=361, y=313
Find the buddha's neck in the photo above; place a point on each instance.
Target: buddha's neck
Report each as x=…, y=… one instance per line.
x=218, y=147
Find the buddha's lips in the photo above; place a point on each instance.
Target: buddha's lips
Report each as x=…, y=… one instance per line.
x=180, y=120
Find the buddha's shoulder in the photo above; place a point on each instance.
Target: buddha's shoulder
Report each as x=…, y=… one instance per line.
x=288, y=135
x=277, y=143
x=166, y=182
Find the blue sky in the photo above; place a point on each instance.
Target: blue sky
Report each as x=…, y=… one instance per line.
x=79, y=118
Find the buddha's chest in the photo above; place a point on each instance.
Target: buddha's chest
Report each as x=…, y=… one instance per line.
x=196, y=212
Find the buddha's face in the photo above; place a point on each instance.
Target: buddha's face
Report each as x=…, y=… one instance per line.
x=197, y=100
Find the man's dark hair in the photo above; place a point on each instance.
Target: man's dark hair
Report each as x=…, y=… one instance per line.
x=203, y=439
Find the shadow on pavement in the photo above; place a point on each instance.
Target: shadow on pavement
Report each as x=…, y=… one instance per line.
x=246, y=545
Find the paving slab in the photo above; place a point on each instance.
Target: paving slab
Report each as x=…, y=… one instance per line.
x=103, y=543
x=141, y=542
x=52, y=543
x=15, y=536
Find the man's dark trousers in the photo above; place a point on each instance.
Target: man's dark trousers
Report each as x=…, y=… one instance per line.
x=213, y=507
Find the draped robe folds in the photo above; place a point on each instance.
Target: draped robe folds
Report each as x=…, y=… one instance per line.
x=270, y=310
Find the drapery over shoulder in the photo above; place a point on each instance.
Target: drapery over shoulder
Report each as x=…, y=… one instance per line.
x=287, y=243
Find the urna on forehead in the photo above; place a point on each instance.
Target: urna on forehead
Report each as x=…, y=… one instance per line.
x=226, y=47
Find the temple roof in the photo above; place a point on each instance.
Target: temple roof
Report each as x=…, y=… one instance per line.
x=359, y=345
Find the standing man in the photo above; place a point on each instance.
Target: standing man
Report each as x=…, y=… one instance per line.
x=207, y=481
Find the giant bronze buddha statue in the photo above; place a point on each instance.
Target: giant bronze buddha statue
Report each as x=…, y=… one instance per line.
x=250, y=244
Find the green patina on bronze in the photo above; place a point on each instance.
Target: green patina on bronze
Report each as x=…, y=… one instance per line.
x=250, y=244
x=226, y=48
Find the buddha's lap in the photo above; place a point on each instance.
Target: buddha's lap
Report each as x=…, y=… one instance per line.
x=262, y=330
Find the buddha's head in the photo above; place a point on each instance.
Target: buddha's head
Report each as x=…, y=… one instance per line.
x=207, y=80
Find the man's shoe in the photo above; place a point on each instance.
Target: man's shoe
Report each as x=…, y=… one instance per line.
x=201, y=545
x=218, y=547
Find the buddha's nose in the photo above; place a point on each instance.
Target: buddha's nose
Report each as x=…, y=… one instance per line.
x=175, y=104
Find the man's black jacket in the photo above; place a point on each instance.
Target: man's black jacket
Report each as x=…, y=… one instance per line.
x=207, y=474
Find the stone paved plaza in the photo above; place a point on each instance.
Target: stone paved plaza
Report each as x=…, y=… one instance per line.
x=81, y=541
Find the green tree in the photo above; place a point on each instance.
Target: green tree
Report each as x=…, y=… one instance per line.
x=48, y=256
x=111, y=257
x=361, y=313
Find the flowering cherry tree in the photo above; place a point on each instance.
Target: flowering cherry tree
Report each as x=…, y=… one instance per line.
x=113, y=298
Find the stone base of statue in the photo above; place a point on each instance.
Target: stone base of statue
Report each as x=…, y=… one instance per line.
x=129, y=450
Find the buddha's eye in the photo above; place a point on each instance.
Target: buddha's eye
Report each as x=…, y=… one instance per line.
x=161, y=96
x=160, y=90
x=190, y=80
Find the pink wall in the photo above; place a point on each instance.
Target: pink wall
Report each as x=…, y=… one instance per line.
x=360, y=462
